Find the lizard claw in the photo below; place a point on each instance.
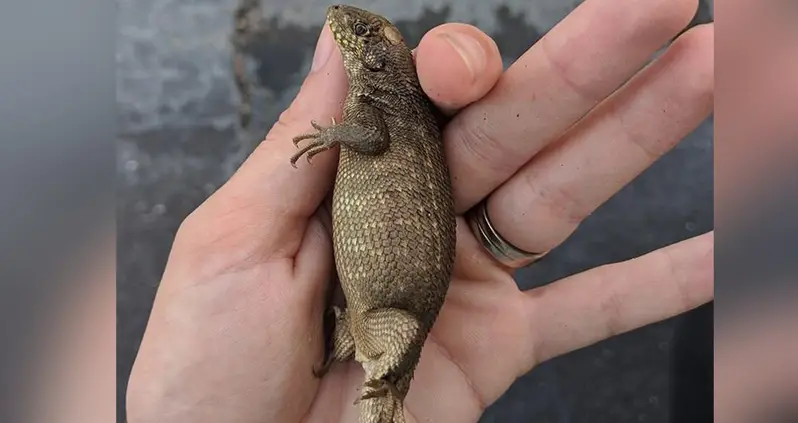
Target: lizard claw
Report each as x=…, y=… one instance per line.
x=318, y=127
x=299, y=138
x=319, y=370
x=319, y=144
x=380, y=388
x=317, y=150
x=312, y=149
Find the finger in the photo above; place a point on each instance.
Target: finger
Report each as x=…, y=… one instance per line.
x=314, y=261
x=572, y=68
x=457, y=64
x=603, y=302
x=313, y=265
x=270, y=198
x=570, y=179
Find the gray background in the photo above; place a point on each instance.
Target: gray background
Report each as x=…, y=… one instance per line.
x=179, y=140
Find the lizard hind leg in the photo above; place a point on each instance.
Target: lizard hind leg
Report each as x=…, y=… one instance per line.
x=380, y=388
x=388, y=346
x=389, y=408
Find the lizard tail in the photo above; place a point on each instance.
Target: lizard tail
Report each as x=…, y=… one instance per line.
x=387, y=409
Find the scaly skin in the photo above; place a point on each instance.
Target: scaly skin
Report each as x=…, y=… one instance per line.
x=393, y=212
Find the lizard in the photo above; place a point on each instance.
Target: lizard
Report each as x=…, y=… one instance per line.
x=393, y=219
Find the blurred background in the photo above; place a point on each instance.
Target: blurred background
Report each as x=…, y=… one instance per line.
x=179, y=140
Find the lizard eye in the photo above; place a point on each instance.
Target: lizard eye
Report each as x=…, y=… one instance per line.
x=361, y=29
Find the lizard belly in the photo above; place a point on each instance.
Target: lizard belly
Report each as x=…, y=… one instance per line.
x=393, y=231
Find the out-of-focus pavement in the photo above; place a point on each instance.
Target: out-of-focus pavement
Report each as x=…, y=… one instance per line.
x=179, y=140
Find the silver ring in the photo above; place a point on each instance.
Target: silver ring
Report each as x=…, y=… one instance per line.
x=502, y=250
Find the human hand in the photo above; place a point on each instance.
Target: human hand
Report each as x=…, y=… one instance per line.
x=237, y=323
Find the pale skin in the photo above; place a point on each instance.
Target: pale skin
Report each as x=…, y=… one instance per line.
x=236, y=326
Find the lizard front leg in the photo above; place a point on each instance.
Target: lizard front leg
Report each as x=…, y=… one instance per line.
x=364, y=133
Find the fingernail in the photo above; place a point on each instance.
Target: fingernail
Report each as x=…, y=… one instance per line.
x=323, y=49
x=470, y=50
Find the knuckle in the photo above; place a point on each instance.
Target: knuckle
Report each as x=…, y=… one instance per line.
x=611, y=307
x=484, y=150
x=571, y=74
x=652, y=146
x=685, y=300
x=556, y=199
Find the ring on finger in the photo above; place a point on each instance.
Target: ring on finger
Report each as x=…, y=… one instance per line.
x=501, y=249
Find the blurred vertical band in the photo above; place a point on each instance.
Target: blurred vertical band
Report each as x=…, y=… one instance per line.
x=756, y=205
x=56, y=201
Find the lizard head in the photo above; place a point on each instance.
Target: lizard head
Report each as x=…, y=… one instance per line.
x=367, y=41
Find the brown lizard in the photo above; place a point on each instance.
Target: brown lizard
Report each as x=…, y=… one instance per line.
x=393, y=212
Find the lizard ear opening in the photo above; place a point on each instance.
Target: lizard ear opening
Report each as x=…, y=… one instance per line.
x=392, y=34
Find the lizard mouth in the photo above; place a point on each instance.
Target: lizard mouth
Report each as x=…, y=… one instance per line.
x=335, y=18
x=338, y=20
x=340, y=14
x=336, y=15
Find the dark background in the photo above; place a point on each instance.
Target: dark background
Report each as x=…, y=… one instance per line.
x=178, y=141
